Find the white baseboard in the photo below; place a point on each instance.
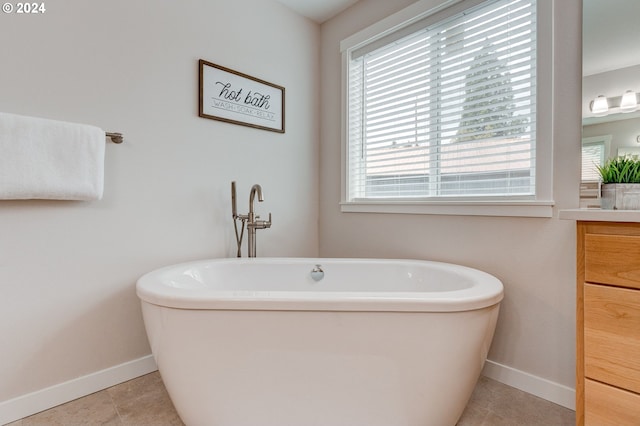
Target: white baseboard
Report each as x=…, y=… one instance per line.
x=545, y=389
x=26, y=405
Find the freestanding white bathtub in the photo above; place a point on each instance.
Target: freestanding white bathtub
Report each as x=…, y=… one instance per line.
x=260, y=342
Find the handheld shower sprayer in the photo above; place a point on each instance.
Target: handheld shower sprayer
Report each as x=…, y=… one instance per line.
x=236, y=217
x=234, y=209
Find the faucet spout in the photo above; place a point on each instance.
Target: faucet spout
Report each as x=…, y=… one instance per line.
x=252, y=219
x=252, y=195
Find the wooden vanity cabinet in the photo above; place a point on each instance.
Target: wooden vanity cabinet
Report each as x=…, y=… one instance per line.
x=608, y=324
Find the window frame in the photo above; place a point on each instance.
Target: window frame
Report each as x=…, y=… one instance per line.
x=541, y=205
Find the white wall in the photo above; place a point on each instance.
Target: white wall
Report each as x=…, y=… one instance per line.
x=535, y=258
x=68, y=269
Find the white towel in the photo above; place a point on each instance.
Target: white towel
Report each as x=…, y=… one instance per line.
x=48, y=159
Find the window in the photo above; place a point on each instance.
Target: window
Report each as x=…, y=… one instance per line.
x=593, y=154
x=443, y=109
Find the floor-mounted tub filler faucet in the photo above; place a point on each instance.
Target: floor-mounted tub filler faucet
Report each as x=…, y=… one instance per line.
x=250, y=219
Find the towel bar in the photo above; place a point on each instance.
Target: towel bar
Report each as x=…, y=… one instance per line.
x=115, y=137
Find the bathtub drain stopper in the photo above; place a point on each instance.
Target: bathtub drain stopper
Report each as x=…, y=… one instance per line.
x=317, y=273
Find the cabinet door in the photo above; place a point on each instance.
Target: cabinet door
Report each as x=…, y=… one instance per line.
x=613, y=259
x=612, y=335
x=609, y=406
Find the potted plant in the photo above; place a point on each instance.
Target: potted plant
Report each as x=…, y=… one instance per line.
x=621, y=183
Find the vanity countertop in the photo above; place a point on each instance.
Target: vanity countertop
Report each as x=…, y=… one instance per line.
x=599, y=215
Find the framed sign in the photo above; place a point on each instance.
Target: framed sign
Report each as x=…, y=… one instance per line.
x=233, y=97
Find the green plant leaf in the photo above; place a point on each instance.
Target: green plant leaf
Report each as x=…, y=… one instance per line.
x=620, y=170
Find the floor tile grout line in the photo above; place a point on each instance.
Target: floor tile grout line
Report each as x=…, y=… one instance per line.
x=115, y=407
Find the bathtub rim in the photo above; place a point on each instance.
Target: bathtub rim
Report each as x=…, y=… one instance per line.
x=487, y=291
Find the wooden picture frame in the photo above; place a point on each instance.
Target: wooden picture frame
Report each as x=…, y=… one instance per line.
x=237, y=98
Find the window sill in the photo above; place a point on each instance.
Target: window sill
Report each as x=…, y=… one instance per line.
x=455, y=208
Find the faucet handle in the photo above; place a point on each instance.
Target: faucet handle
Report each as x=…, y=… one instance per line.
x=263, y=224
x=260, y=224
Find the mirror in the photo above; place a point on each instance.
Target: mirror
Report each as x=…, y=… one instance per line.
x=611, y=66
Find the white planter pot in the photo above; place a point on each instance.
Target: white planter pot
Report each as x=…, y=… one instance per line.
x=621, y=196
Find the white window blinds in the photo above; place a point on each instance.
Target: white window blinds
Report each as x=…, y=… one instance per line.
x=592, y=156
x=447, y=110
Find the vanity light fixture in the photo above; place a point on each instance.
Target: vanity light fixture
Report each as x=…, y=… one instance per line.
x=629, y=101
x=602, y=105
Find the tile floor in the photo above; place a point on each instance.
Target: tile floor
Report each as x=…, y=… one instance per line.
x=145, y=402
